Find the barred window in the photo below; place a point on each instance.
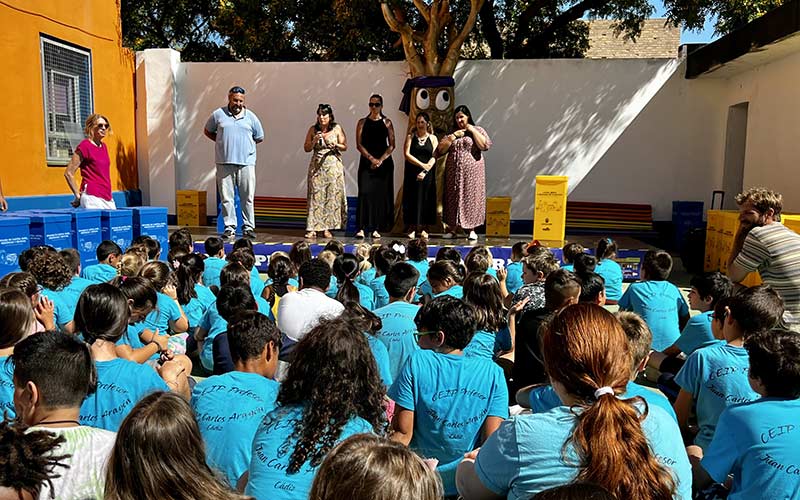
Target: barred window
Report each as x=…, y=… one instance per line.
x=67, y=86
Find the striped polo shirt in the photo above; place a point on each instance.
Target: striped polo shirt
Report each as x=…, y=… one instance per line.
x=774, y=251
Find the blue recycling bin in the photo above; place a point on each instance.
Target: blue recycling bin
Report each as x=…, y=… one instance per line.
x=151, y=221
x=85, y=232
x=14, y=239
x=117, y=226
x=48, y=228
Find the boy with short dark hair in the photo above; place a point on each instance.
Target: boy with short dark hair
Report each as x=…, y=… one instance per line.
x=706, y=291
x=593, y=289
x=385, y=258
x=568, y=254
x=229, y=407
x=181, y=239
x=48, y=397
x=215, y=249
x=397, y=318
x=447, y=404
x=757, y=442
x=656, y=300
x=231, y=300
x=108, y=256
x=514, y=268
x=716, y=376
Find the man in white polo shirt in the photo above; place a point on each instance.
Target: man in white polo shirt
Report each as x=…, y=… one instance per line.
x=236, y=130
x=300, y=311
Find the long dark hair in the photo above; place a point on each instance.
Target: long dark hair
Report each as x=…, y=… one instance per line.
x=333, y=378
x=462, y=109
x=280, y=269
x=190, y=269
x=102, y=313
x=345, y=268
x=299, y=254
x=482, y=292
x=325, y=109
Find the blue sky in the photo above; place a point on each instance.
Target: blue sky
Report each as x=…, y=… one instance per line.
x=704, y=36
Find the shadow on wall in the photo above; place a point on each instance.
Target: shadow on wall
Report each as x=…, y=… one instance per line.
x=126, y=166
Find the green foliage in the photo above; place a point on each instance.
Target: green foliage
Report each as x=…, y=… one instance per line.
x=730, y=14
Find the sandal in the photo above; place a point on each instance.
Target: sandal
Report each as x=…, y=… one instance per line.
x=359, y=234
x=423, y=235
x=412, y=235
x=449, y=235
x=327, y=234
x=376, y=235
x=311, y=235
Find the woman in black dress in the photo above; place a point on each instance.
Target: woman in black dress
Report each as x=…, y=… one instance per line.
x=375, y=142
x=419, y=178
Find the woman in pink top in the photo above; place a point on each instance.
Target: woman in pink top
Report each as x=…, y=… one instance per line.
x=91, y=157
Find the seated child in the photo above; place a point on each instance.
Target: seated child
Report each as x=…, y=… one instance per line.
x=607, y=267
x=715, y=377
x=329, y=257
x=48, y=397
x=139, y=343
x=151, y=244
x=43, y=308
x=282, y=280
x=332, y=391
x=757, y=441
x=168, y=316
x=444, y=253
x=593, y=289
x=417, y=253
x=54, y=276
x=370, y=324
x=447, y=404
x=230, y=303
x=367, y=467
x=596, y=435
x=584, y=263
x=229, y=407
x=345, y=269
x=484, y=255
x=568, y=254
x=16, y=323
x=706, y=291
x=384, y=260
x=482, y=292
x=445, y=279
x=215, y=249
x=102, y=319
x=397, y=318
x=656, y=300
x=538, y=264
x=181, y=239
x=247, y=258
x=193, y=297
x=73, y=260
x=514, y=268
x=108, y=256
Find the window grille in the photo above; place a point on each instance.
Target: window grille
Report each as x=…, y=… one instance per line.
x=67, y=87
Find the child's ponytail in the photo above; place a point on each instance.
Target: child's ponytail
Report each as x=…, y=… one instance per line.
x=345, y=268
x=190, y=269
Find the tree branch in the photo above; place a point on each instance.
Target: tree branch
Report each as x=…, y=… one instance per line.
x=490, y=31
x=424, y=10
x=415, y=62
x=524, y=25
x=575, y=12
x=454, y=48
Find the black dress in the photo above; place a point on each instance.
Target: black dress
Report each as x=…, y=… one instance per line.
x=375, y=186
x=419, y=197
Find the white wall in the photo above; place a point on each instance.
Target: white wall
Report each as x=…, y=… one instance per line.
x=628, y=131
x=772, y=154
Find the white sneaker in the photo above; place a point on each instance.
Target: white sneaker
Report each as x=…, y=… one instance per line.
x=448, y=236
x=472, y=236
x=412, y=235
x=376, y=235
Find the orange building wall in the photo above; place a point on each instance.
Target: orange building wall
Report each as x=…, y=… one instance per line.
x=93, y=25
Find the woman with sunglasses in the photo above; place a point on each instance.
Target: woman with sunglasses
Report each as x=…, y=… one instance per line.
x=327, y=203
x=91, y=157
x=375, y=142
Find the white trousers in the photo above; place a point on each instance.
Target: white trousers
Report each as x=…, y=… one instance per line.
x=243, y=177
x=89, y=201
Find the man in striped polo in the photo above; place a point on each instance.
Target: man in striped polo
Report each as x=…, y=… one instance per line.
x=765, y=245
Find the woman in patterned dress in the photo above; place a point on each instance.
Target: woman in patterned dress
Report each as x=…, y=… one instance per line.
x=465, y=175
x=327, y=203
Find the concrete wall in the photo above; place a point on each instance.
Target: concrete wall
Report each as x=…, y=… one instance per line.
x=92, y=25
x=623, y=130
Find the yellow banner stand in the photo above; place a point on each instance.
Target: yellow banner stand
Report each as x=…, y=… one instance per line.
x=550, y=210
x=498, y=216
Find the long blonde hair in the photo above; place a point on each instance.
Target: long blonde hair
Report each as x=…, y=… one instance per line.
x=159, y=453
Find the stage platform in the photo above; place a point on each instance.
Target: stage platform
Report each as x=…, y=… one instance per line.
x=629, y=256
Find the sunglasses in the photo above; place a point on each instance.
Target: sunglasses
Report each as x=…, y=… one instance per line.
x=102, y=125
x=236, y=90
x=375, y=105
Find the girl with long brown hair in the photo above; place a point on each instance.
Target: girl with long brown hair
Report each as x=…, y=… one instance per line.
x=622, y=444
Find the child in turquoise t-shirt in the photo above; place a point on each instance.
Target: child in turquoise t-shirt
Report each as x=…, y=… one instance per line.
x=445, y=279
x=385, y=258
x=417, y=254
x=514, y=268
x=397, y=318
x=587, y=357
x=193, y=297
x=345, y=274
x=716, y=376
x=657, y=300
x=607, y=267
x=54, y=276
x=757, y=442
x=17, y=321
x=332, y=391
x=230, y=407
x=447, y=403
x=568, y=254
x=215, y=249
x=492, y=336
x=108, y=256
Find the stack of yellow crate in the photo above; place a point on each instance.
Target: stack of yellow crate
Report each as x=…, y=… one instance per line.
x=498, y=216
x=721, y=230
x=711, y=261
x=191, y=208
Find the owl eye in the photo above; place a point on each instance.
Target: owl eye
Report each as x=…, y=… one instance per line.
x=443, y=100
x=423, y=99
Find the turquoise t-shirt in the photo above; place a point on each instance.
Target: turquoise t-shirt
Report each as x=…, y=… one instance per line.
x=569, y=267
x=64, y=302
x=212, y=270
x=717, y=377
x=454, y=291
x=481, y=345
x=366, y=277
x=197, y=306
x=228, y=409
x=612, y=273
x=120, y=385
x=333, y=287
x=78, y=285
x=451, y=397
x=7, y=387
x=256, y=283
x=757, y=443
x=381, y=355
x=166, y=310
x=397, y=333
x=697, y=333
x=214, y=324
x=422, y=266
x=660, y=304
x=514, y=277
x=99, y=273
x=525, y=457
x=544, y=398
x=424, y=289
x=273, y=446
x=381, y=294
x=366, y=297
